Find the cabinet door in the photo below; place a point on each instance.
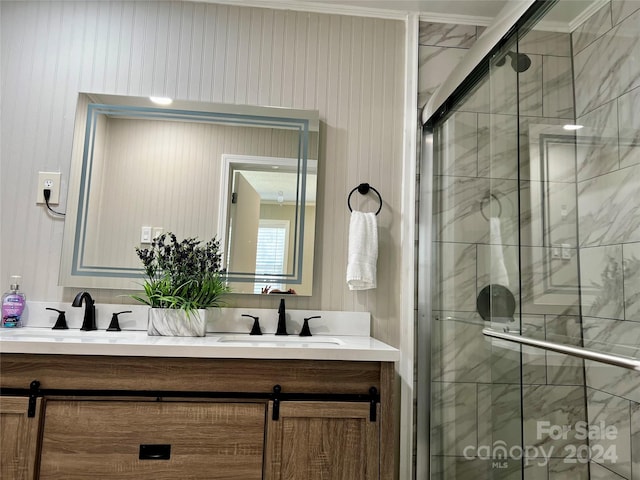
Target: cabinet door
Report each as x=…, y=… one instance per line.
x=18, y=438
x=322, y=440
x=106, y=439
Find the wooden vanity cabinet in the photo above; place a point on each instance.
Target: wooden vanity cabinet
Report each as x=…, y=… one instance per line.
x=19, y=436
x=155, y=440
x=323, y=440
x=212, y=434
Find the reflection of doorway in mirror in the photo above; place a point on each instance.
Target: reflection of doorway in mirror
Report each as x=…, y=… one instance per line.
x=272, y=253
x=279, y=186
x=246, y=214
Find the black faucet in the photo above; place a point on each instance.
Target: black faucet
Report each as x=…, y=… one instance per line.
x=282, y=320
x=89, y=322
x=255, y=330
x=306, y=332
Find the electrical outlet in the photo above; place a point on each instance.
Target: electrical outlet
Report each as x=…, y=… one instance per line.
x=51, y=181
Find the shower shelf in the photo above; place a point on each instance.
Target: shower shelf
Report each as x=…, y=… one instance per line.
x=617, y=360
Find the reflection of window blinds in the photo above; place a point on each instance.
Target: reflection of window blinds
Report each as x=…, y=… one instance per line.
x=270, y=255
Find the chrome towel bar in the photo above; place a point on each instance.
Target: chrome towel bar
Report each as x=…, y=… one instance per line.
x=617, y=360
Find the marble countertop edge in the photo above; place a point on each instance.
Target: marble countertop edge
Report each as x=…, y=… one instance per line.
x=35, y=340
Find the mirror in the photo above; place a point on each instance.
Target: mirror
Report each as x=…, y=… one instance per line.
x=191, y=168
x=550, y=205
x=259, y=222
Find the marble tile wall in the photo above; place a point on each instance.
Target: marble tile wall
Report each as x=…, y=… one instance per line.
x=614, y=413
x=481, y=386
x=595, y=26
x=599, y=472
x=608, y=161
x=605, y=69
x=635, y=440
x=613, y=396
x=441, y=47
x=478, y=381
x=607, y=89
x=608, y=209
x=629, y=128
x=621, y=9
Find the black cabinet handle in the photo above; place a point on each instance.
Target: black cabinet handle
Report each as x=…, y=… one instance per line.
x=155, y=452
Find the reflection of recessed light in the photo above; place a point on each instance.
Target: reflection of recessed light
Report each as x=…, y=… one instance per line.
x=161, y=100
x=572, y=127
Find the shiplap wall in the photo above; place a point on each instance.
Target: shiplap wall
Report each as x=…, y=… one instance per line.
x=350, y=69
x=164, y=174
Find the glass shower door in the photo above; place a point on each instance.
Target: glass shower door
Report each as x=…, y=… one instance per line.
x=535, y=232
x=476, y=383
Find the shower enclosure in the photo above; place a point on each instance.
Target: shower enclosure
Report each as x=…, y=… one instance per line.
x=532, y=187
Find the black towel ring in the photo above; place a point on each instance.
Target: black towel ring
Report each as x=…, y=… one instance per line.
x=363, y=189
x=487, y=198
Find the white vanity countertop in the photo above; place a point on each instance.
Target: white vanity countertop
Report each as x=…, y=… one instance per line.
x=337, y=335
x=39, y=340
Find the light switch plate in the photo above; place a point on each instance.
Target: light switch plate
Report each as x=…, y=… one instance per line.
x=145, y=234
x=50, y=180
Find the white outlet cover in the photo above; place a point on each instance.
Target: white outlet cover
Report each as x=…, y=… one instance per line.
x=50, y=180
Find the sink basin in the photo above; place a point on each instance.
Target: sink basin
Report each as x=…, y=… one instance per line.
x=67, y=337
x=280, y=340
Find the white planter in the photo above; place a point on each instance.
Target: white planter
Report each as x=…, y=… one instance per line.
x=171, y=322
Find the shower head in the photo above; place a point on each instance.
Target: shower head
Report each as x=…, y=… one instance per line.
x=520, y=62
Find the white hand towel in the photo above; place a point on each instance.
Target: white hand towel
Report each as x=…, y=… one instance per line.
x=498, y=272
x=363, y=251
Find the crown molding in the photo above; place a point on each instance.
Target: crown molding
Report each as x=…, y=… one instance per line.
x=314, y=7
x=569, y=27
x=586, y=13
x=572, y=25
x=552, y=26
x=456, y=19
x=355, y=11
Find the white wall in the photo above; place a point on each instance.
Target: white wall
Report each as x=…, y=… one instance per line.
x=350, y=69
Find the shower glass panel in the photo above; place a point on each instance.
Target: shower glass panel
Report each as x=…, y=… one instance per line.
x=536, y=232
x=476, y=406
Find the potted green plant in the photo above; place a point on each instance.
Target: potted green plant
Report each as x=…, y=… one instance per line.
x=183, y=279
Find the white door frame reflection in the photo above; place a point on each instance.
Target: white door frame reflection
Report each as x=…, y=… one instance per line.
x=257, y=189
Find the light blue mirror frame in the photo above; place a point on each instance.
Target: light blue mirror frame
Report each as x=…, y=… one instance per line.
x=79, y=270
